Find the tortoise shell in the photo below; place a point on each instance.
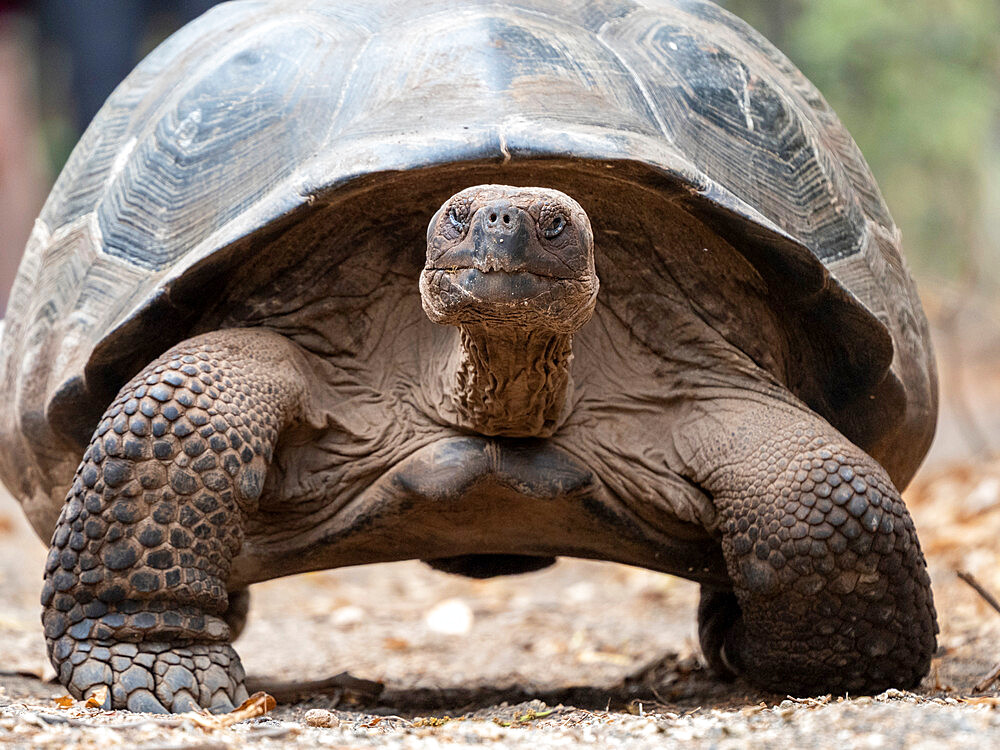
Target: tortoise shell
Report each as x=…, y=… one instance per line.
x=258, y=113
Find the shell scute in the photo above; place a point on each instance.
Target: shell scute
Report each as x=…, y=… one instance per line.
x=221, y=145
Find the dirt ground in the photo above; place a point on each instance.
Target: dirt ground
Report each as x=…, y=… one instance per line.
x=581, y=654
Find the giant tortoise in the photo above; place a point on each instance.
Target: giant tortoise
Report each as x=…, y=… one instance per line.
x=668, y=325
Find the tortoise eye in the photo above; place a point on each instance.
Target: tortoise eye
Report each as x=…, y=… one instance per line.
x=555, y=226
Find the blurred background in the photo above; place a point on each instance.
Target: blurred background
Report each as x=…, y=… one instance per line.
x=917, y=82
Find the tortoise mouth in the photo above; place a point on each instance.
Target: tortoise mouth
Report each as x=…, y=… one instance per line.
x=467, y=294
x=497, y=267
x=488, y=257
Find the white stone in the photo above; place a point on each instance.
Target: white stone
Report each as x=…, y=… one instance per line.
x=450, y=617
x=348, y=615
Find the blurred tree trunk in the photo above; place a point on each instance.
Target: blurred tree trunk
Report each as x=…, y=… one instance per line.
x=22, y=174
x=983, y=226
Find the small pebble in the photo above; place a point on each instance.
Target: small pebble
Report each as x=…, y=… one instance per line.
x=348, y=615
x=450, y=617
x=320, y=717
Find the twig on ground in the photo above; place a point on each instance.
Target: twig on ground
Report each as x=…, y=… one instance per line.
x=26, y=673
x=988, y=680
x=971, y=580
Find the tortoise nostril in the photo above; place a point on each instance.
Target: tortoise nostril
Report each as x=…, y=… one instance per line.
x=501, y=217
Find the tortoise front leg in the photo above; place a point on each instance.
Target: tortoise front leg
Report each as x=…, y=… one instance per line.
x=830, y=589
x=135, y=584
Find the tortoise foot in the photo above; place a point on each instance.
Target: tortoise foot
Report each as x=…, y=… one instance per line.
x=135, y=594
x=841, y=601
x=157, y=677
x=830, y=589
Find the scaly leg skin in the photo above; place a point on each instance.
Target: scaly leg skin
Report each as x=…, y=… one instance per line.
x=135, y=583
x=830, y=588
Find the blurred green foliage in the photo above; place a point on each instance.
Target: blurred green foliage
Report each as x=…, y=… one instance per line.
x=917, y=83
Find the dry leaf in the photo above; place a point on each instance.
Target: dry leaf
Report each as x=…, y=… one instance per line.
x=986, y=700
x=98, y=698
x=604, y=657
x=257, y=704
x=64, y=701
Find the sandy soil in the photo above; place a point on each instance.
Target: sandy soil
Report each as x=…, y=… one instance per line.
x=581, y=654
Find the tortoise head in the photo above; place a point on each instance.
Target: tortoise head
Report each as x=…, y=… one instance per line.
x=501, y=255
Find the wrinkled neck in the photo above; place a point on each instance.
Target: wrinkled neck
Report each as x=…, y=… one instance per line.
x=506, y=380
